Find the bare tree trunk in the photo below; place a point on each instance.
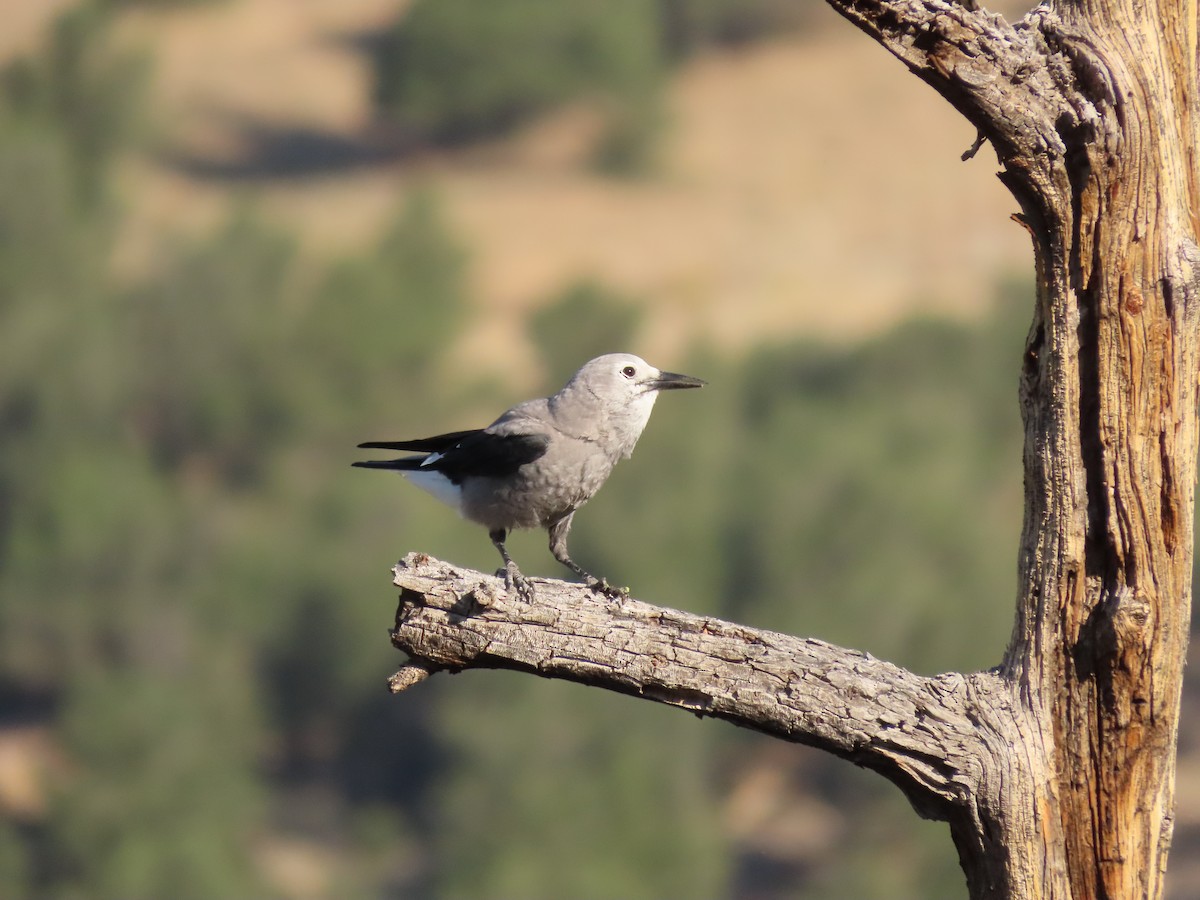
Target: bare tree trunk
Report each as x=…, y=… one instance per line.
x=1092, y=108
x=1056, y=771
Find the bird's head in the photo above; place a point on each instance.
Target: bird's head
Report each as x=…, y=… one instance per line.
x=624, y=379
x=619, y=389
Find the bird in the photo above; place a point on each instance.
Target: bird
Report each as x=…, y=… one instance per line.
x=541, y=460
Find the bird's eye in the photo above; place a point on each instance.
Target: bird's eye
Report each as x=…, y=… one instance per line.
x=629, y=371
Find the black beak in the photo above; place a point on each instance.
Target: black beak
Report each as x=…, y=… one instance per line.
x=670, y=381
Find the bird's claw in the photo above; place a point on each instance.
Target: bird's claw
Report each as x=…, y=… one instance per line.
x=601, y=586
x=517, y=584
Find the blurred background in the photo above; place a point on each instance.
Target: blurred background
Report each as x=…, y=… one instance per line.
x=238, y=237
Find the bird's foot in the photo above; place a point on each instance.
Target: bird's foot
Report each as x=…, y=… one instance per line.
x=601, y=586
x=516, y=584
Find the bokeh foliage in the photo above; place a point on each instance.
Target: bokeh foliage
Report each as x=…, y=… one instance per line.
x=194, y=582
x=458, y=69
x=450, y=72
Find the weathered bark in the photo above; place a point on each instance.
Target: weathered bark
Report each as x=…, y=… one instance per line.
x=1092, y=106
x=957, y=745
x=922, y=732
x=1056, y=771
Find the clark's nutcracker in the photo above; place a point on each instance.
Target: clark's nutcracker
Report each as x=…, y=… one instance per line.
x=541, y=460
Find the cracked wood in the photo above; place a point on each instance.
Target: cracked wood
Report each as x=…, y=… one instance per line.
x=922, y=732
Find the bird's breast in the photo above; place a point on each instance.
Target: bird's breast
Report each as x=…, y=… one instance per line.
x=562, y=480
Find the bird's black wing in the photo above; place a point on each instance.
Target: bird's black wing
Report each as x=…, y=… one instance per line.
x=464, y=454
x=487, y=455
x=436, y=444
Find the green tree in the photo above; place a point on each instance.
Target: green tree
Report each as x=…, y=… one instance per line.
x=582, y=322
x=380, y=322
x=690, y=26
x=86, y=91
x=210, y=331
x=458, y=70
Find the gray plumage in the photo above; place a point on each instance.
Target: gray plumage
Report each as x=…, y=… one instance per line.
x=543, y=459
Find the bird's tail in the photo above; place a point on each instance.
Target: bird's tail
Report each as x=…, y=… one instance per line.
x=405, y=464
x=437, y=444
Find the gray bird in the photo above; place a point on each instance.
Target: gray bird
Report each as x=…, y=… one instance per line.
x=541, y=460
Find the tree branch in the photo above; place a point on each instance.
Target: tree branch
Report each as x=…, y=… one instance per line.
x=1012, y=80
x=923, y=733
x=1031, y=87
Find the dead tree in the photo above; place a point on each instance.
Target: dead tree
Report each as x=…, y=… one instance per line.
x=1055, y=770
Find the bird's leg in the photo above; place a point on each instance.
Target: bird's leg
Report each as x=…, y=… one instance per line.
x=513, y=579
x=558, y=546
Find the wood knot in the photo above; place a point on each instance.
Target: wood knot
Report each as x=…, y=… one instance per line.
x=1131, y=615
x=1116, y=629
x=1134, y=303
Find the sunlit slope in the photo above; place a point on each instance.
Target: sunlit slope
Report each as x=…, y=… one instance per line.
x=809, y=185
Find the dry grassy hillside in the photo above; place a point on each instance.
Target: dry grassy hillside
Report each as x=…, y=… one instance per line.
x=808, y=185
